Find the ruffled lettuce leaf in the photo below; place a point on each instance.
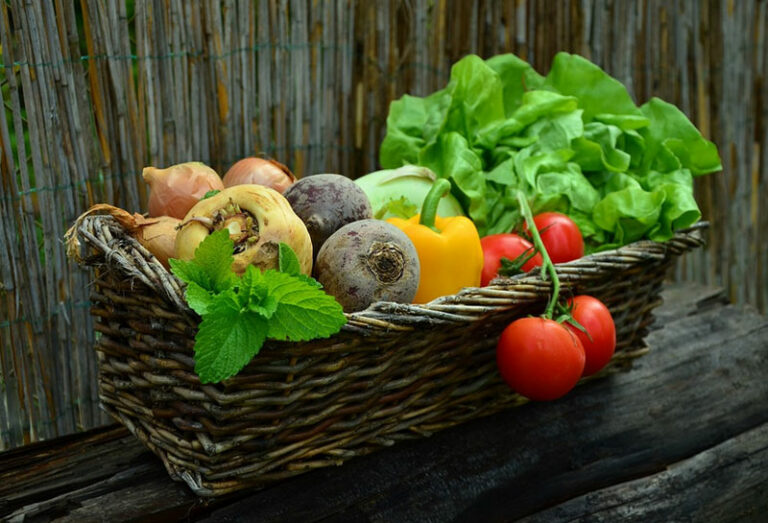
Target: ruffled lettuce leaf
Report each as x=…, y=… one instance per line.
x=573, y=141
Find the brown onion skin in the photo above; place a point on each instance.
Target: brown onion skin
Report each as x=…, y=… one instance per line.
x=259, y=171
x=176, y=189
x=158, y=235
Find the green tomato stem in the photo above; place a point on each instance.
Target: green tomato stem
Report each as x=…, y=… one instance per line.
x=547, y=266
x=429, y=208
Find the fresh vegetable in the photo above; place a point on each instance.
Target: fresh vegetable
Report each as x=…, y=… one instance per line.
x=503, y=253
x=400, y=192
x=572, y=141
x=240, y=312
x=560, y=235
x=368, y=261
x=258, y=220
x=449, y=249
x=259, y=171
x=325, y=203
x=599, y=340
x=174, y=190
x=157, y=235
x=539, y=358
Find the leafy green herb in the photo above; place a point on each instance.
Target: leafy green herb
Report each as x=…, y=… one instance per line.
x=240, y=313
x=212, y=192
x=287, y=260
x=572, y=141
x=289, y=263
x=211, y=268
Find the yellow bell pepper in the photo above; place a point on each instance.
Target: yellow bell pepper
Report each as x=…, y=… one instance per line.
x=450, y=254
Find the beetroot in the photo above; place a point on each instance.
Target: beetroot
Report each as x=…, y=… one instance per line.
x=368, y=261
x=325, y=203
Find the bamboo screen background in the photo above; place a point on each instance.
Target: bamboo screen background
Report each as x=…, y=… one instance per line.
x=95, y=90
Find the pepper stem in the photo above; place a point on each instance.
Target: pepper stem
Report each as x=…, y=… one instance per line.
x=547, y=266
x=439, y=189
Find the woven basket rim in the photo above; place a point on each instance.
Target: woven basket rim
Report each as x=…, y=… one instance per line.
x=469, y=304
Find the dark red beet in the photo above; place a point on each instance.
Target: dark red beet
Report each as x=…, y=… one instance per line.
x=325, y=203
x=368, y=261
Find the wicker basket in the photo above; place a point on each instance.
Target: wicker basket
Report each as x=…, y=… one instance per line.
x=394, y=372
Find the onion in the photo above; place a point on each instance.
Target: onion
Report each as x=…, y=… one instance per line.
x=157, y=235
x=173, y=191
x=260, y=171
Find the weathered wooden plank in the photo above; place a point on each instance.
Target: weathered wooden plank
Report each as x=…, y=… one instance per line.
x=731, y=477
x=34, y=472
x=690, y=410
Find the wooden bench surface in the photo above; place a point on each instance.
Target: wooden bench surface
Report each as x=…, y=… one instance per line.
x=683, y=436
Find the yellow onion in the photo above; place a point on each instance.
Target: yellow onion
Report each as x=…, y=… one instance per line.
x=174, y=190
x=260, y=171
x=258, y=219
x=157, y=235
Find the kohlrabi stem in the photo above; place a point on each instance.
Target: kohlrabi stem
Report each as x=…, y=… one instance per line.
x=547, y=266
x=439, y=189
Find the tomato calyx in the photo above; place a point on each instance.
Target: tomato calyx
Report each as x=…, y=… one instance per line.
x=514, y=267
x=565, y=315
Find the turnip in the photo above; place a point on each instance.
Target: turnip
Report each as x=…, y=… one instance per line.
x=325, y=203
x=368, y=261
x=258, y=219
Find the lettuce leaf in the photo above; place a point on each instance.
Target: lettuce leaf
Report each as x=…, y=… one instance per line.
x=573, y=141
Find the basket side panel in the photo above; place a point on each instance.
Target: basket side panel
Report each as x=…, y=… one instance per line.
x=297, y=407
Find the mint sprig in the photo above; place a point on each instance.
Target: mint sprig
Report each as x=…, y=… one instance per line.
x=239, y=313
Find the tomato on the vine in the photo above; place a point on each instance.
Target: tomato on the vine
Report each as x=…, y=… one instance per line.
x=539, y=358
x=594, y=316
x=505, y=245
x=560, y=236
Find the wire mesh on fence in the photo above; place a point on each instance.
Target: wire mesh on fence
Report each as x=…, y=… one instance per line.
x=93, y=94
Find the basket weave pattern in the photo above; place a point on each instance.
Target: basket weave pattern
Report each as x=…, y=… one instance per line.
x=394, y=372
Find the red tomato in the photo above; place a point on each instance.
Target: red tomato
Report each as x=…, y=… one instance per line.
x=595, y=317
x=498, y=246
x=539, y=358
x=560, y=236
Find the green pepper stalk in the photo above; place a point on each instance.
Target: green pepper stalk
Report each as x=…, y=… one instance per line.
x=429, y=208
x=547, y=266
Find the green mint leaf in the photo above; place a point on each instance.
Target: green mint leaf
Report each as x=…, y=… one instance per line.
x=304, y=312
x=207, y=195
x=198, y=299
x=289, y=264
x=227, y=339
x=253, y=293
x=288, y=261
x=265, y=308
x=211, y=268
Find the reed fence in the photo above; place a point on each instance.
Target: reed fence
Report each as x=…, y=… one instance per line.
x=95, y=90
